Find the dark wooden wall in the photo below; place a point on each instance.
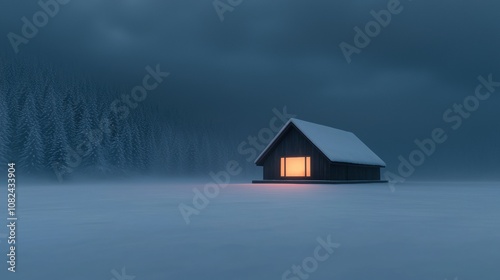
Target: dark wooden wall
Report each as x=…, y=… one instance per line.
x=344, y=171
x=293, y=143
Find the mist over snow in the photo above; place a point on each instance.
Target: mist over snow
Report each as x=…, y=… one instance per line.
x=421, y=231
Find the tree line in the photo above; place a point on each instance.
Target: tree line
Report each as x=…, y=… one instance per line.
x=44, y=115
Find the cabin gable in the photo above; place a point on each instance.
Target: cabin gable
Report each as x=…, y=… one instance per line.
x=292, y=156
x=293, y=143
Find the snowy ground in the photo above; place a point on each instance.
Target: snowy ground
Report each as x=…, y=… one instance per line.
x=423, y=231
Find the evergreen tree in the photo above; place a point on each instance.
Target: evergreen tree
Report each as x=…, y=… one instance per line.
x=117, y=147
x=57, y=144
x=59, y=152
x=84, y=142
x=128, y=147
x=32, y=151
x=139, y=151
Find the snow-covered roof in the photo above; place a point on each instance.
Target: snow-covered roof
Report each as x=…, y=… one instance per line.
x=338, y=145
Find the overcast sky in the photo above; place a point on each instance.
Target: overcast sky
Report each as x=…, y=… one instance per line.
x=267, y=54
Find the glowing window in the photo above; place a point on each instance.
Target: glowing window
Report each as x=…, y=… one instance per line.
x=295, y=167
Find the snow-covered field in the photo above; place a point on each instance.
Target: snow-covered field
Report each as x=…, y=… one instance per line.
x=423, y=231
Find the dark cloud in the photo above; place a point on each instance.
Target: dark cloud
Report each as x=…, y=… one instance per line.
x=269, y=54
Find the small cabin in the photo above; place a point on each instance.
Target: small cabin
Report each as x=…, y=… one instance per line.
x=305, y=152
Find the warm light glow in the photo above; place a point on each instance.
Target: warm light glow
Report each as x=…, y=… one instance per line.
x=295, y=167
x=308, y=166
